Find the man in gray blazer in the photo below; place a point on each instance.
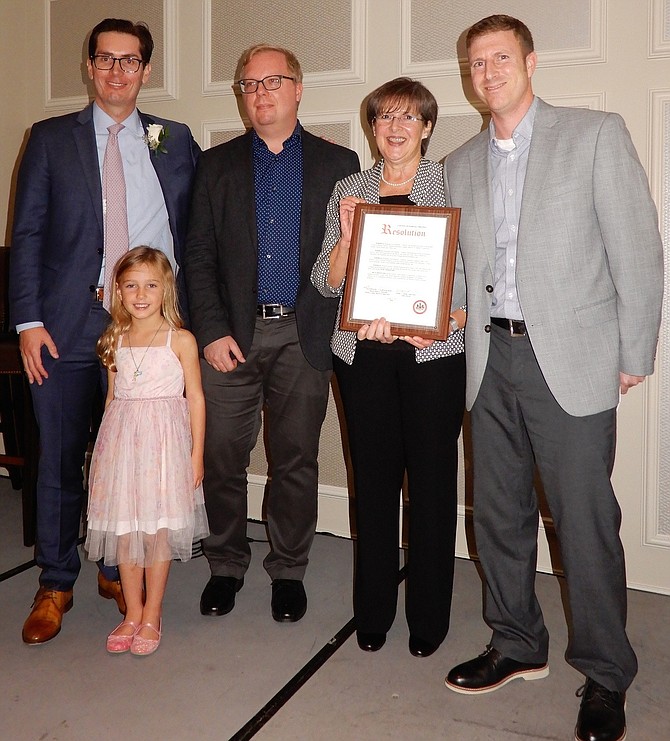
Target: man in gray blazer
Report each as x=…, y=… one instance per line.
x=564, y=272
x=256, y=228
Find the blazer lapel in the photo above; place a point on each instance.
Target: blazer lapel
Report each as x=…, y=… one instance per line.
x=310, y=173
x=161, y=165
x=542, y=149
x=84, y=139
x=480, y=175
x=241, y=175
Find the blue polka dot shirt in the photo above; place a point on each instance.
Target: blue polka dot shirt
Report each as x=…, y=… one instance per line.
x=278, y=184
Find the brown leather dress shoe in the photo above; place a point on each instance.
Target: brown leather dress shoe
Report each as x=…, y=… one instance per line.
x=46, y=617
x=112, y=590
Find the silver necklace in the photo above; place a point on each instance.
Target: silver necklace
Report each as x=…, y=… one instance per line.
x=137, y=372
x=397, y=185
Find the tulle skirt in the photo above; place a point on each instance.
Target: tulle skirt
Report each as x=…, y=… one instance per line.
x=142, y=504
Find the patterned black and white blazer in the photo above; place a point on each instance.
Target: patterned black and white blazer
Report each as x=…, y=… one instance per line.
x=427, y=190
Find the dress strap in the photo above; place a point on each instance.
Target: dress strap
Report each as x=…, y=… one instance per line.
x=168, y=342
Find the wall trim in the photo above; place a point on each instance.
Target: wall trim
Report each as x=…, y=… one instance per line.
x=594, y=101
x=659, y=43
x=357, y=140
x=355, y=75
x=596, y=53
x=334, y=519
x=658, y=164
x=170, y=55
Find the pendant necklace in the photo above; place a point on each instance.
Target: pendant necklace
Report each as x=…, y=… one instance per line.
x=137, y=371
x=397, y=185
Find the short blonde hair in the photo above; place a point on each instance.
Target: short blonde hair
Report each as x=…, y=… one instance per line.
x=291, y=59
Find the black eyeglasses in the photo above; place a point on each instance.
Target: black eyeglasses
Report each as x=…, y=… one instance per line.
x=271, y=82
x=105, y=62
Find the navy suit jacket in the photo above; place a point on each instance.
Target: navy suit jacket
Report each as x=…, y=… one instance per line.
x=57, y=244
x=221, y=261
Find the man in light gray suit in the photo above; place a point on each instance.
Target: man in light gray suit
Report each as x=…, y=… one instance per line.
x=564, y=272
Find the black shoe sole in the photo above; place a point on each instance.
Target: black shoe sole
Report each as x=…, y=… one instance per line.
x=288, y=618
x=217, y=612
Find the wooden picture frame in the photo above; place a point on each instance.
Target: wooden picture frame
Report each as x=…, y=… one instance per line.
x=401, y=267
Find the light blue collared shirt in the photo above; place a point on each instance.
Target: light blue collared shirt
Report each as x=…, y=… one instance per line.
x=147, y=215
x=509, y=161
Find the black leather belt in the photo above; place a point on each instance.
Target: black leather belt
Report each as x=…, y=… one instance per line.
x=98, y=292
x=273, y=311
x=514, y=326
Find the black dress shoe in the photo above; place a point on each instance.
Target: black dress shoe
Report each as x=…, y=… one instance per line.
x=601, y=714
x=370, y=641
x=289, y=601
x=419, y=647
x=491, y=671
x=218, y=596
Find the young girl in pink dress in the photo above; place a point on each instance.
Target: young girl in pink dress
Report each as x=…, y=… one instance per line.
x=146, y=504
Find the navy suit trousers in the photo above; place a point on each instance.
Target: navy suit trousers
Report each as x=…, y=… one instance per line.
x=63, y=408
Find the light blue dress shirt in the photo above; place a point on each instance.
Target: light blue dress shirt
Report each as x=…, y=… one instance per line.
x=148, y=222
x=509, y=161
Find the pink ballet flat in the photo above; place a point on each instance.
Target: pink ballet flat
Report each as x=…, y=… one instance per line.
x=145, y=646
x=121, y=644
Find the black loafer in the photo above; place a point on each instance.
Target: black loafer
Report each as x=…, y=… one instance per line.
x=491, y=671
x=602, y=714
x=419, y=647
x=289, y=601
x=218, y=596
x=370, y=641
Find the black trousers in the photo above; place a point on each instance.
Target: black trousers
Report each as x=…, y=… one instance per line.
x=403, y=416
x=516, y=424
x=295, y=395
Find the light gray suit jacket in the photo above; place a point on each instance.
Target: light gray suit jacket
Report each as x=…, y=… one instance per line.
x=589, y=255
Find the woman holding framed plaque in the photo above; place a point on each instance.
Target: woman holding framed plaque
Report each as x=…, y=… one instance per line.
x=403, y=396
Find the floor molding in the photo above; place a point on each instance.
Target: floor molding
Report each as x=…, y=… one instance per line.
x=334, y=518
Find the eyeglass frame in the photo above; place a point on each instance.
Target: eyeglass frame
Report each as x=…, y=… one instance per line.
x=119, y=60
x=245, y=80
x=405, y=118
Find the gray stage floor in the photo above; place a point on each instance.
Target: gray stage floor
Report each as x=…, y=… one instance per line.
x=212, y=675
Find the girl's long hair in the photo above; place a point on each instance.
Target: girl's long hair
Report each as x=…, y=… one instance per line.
x=121, y=319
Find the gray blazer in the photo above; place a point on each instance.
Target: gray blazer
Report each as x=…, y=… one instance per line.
x=589, y=260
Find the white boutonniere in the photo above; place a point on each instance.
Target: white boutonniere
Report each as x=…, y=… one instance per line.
x=155, y=136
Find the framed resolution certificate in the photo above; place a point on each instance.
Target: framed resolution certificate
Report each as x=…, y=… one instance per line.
x=401, y=267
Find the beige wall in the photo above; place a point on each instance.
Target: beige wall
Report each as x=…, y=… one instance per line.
x=12, y=97
x=610, y=54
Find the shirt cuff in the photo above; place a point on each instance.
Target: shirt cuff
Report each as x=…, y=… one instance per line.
x=28, y=325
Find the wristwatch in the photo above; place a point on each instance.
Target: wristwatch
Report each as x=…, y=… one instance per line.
x=453, y=325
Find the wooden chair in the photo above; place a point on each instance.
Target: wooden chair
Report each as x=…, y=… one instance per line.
x=17, y=421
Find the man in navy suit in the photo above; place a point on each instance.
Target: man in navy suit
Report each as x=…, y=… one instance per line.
x=256, y=228
x=57, y=270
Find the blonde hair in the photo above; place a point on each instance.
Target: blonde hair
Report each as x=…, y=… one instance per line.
x=121, y=319
x=291, y=59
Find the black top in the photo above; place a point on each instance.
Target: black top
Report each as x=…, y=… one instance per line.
x=402, y=200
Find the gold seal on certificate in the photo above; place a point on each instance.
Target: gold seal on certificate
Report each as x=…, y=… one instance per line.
x=401, y=267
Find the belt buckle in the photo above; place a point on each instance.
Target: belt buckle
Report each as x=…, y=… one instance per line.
x=512, y=322
x=265, y=307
